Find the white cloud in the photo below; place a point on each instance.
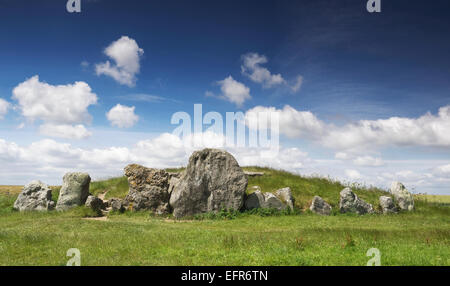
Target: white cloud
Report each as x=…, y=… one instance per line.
x=251, y=67
x=426, y=130
x=122, y=116
x=368, y=161
x=61, y=105
x=234, y=91
x=4, y=106
x=353, y=174
x=341, y=156
x=297, y=84
x=65, y=131
x=442, y=171
x=126, y=54
x=293, y=123
x=49, y=160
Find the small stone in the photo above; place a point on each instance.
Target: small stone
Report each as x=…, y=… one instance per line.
x=387, y=205
x=255, y=200
x=351, y=203
x=319, y=206
x=94, y=203
x=285, y=195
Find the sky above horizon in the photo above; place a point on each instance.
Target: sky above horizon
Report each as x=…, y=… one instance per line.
x=362, y=97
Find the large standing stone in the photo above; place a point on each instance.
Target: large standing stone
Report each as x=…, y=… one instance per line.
x=285, y=195
x=36, y=196
x=173, y=181
x=148, y=189
x=350, y=202
x=319, y=206
x=404, y=199
x=387, y=205
x=74, y=191
x=212, y=181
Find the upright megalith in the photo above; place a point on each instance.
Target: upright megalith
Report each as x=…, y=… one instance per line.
x=403, y=198
x=212, y=181
x=74, y=191
x=351, y=203
x=148, y=189
x=36, y=196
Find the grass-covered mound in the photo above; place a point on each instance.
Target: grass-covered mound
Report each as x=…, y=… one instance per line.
x=303, y=188
x=421, y=237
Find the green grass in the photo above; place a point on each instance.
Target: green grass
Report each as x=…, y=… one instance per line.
x=260, y=237
x=115, y=187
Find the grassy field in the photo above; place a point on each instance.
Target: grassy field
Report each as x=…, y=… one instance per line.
x=418, y=238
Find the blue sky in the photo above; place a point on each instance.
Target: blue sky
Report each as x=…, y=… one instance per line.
x=354, y=65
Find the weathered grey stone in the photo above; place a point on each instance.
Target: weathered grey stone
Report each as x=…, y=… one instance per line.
x=387, y=205
x=94, y=203
x=272, y=202
x=172, y=183
x=350, y=202
x=255, y=200
x=74, y=191
x=403, y=198
x=116, y=205
x=36, y=196
x=285, y=195
x=212, y=181
x=148, y=189
x=319, y=206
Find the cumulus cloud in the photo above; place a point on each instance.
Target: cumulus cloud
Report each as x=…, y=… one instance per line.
x=4, y=106
x=51, y=159
x=122, y=116
x=353, y=175
x=443, y=171
x=65, y=131
x=233, y=91
x=293, y=123
x=426, y=130
x=368, y=161
x=61, y=105
x=341, y=156
x=252, y=68
x=54, y=103
x=126, y=55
